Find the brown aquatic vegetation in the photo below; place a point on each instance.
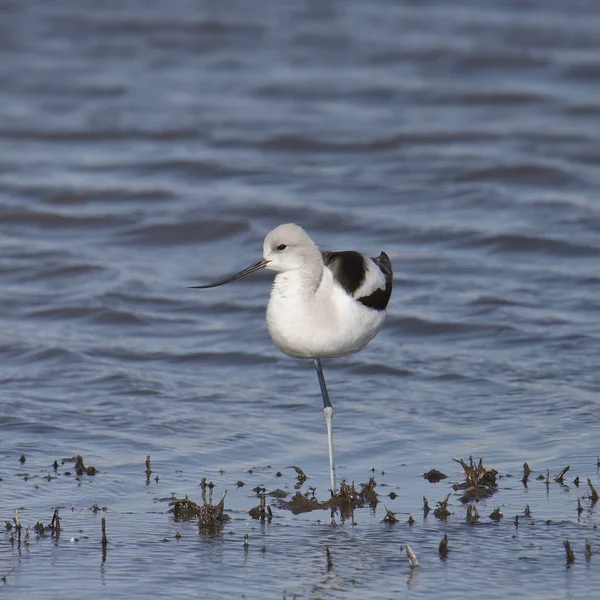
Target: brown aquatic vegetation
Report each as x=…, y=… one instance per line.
x=569, y=551
x=346, y=500
x=593, y=492
x=329, y=559
x=300, y=475
x=526, y=474
x=301, y=503
x=433, y=476
x=426, y=507
x=104, y=539
x=496, y=514
x=55, y=524
x=262, y=512
x=184, y=509
x=368, y=495
x=559, y=478
x=472, y=513
x=480, y=482
x=80, y=467
x=441, y=511
x=390, y=517
x=443, y=548
x=211, y=516
x=148, y=470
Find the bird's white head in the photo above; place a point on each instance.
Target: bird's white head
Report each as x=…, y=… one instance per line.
x=288, y=248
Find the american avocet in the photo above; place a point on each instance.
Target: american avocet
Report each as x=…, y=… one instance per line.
x=323, y=304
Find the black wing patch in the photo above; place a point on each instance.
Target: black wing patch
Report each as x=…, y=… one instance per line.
x=350, y=270
x=380, y=297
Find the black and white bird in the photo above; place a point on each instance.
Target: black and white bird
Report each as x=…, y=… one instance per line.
x=323, y=304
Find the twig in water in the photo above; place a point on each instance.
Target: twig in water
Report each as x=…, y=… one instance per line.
x=148, y=470
x=104, y=539
x=569, y=551
x=299, y=474
x=390, y=517
x=55, y=524
x=526, y=474
x=593, y=492
x=443, y=549
x=413, y=561
x=560, y=476
x=426, y=507
x=442, y=512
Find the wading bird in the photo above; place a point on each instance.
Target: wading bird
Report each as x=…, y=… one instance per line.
x=323, y=304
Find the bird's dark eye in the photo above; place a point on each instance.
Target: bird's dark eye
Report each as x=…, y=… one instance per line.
x=281, y=247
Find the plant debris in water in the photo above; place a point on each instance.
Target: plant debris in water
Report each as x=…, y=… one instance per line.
x=443, y=549
x=472, y=513
x=426, y=507
x=480, y=482
x=569, y=551
x=301, y=503
x=262, y=512
x=80, y=467
x=368, y=495
x=346, y=500
x=593, y=492
x=559, y=478
x=390, y=517
x=442, y=512
x=184, y=509
x=211, y=516
x=300, y=475
x=526, y=474
x=496, y=514
x=433, y=476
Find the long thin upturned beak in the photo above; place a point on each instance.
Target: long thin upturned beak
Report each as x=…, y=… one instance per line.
x=261, y=264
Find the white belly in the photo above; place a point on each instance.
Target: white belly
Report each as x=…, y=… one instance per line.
x=323, y=324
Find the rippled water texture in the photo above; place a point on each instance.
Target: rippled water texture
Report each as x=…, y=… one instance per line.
x=148, y=146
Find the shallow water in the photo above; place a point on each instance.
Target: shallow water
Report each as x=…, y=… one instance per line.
x=150, y=147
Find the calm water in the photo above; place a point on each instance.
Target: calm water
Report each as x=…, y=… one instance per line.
x=148, y=146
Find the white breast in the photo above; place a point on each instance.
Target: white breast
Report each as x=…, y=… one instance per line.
x=312, y=319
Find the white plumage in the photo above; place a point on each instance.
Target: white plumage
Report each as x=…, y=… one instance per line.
x=322, y=304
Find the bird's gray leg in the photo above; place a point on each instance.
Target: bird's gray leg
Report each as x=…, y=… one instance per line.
x=328, y=413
